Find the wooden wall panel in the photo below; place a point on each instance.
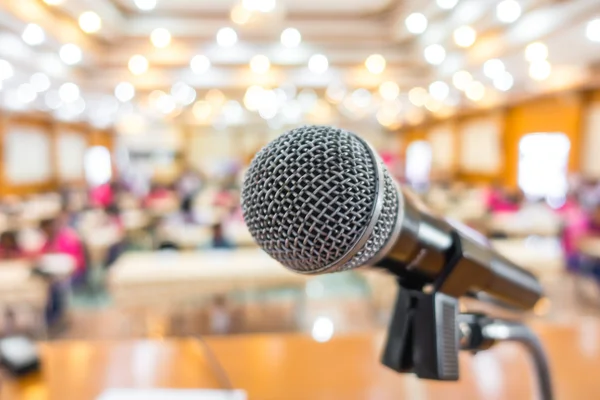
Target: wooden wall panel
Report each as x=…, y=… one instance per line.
x=52, y=130
x=561, y=113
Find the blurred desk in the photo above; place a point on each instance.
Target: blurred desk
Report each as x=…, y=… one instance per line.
x=537, y=254
x=294, y=367
x=147, y=278
x=525, y=223
x=19, y=286
x=99, y=240
x=135, y=219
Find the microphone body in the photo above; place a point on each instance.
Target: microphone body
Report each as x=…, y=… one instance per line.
x=456, y=260
x=319, y=200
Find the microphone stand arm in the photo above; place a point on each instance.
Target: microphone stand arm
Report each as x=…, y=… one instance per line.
x=427, y=332
x=479, y=332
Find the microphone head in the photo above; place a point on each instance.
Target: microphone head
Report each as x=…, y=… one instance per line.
x=318, y=199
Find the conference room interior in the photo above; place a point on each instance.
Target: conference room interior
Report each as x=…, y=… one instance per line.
x=126, y=128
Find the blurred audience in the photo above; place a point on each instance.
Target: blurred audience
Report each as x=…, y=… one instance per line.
x=60, y=238
x=9, y=246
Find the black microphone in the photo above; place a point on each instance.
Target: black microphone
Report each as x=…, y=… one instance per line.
x=318, y=199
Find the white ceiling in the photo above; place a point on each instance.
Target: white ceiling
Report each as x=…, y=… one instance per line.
x=346, y=31
x=305, y=6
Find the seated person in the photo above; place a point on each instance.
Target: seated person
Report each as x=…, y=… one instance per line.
x=577, y=224
x=60, y=238
x=102, y=195
x=114, y=220
x=9, y=247
x=218, y=238
x=500, y=200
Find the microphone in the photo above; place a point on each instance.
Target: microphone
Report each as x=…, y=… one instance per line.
x=318, y=199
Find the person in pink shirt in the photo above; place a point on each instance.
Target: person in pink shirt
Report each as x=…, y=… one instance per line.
x=576, y=225
x=60, y=238
x=497, y=200
x=102, y=195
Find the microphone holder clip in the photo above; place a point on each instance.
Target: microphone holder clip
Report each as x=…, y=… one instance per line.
x=427, y=331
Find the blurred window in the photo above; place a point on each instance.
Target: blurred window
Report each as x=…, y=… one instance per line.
x=27, y=155
x=418, y=163
x=543, y=161
x=98, y=169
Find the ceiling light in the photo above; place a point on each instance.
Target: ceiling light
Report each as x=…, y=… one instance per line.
x=268, y=106
x=439, y=90
x=504, y=82
x=240, y=15
x=160, y=38
x=202, y=110
x=493, y=68
x=70, y=54
x=385, y=118
x=292, y=112
x=375, y=63
x=252, y=98
x=215, y=97
x=318, y=63
x=462, y=79
x=475, y=91
x=307, y=98
x=90, y=22
x=124, y=92
x=465, y=36
x=536, y=51
x=446, y=4
x=40, y=82
x=33, y=35
x=165, y=104
x=232, y=110
x=68, y=92
x=26, y=93
x=154, y=96
x=267, y=5
x=540, y=70
x=592, y=30
x=416, y=23
x=433, y=105
x=183, y=93
x=335, y=92
x=138, y=64
x=417, y=96
x=260, y=64
x=361, y=98
x=200, y=64
x=264, y=6
x=6, y=70
x=227, y=37
x=145, y=5
x=434, y=54
x=52, y=100
x=291, y=37
x=54, y=2
x=389, y=90
x=508, y=11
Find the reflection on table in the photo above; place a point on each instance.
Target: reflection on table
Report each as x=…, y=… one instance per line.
x=296, y=367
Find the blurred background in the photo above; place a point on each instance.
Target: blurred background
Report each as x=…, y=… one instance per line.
x=126, y=127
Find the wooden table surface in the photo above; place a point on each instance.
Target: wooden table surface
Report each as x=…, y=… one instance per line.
x=294, y=367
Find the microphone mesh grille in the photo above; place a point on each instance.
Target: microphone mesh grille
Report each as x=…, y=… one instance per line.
x=309, y=195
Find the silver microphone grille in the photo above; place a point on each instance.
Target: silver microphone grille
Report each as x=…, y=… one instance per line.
x=317, y=199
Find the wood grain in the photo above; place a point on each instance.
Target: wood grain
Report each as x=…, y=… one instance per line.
x=290, y=367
